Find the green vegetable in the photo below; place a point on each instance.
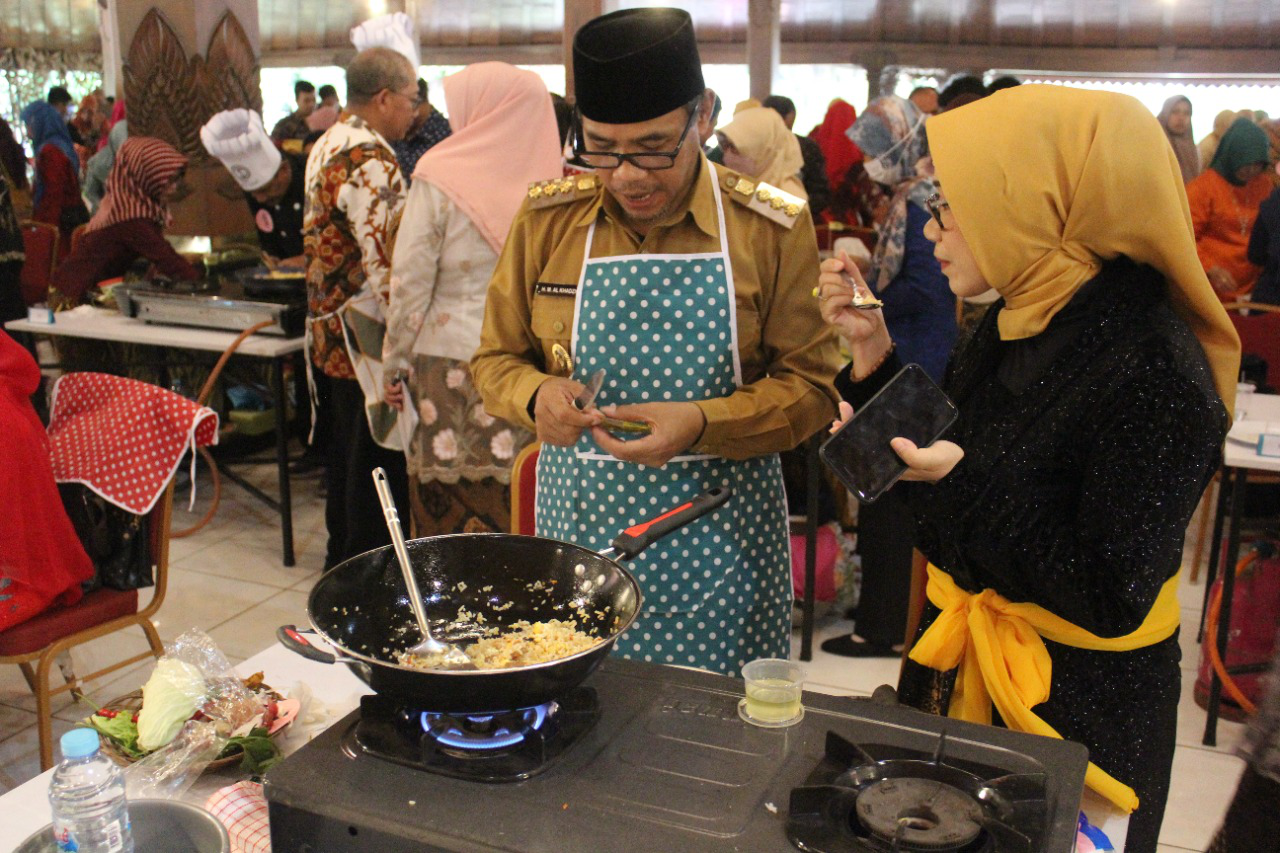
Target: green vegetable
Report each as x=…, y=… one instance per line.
x=169, y=698
x=260, y=751
x=122, y=732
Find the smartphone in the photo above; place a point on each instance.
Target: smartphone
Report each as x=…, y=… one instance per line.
x=912, y=406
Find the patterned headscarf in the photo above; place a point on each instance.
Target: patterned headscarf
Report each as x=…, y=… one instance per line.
x=891, y=131
x=144, y=167
x=47, y=127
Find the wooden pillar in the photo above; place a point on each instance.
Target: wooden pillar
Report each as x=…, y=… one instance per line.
x=112, y=54
x=576, y=13
x=182, y=63
x=764, y=45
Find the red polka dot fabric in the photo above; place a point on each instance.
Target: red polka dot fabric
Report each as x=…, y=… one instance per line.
x=123, y=438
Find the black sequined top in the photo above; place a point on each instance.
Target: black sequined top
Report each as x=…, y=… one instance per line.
x=1074, y=493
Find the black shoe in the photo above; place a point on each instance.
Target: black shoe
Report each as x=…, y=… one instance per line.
x=850, y=646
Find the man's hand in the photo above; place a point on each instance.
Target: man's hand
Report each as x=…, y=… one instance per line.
x=676, y=426
x=554, y=415
x=393, y=394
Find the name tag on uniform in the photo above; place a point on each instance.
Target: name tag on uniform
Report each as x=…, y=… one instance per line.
x=544, y=288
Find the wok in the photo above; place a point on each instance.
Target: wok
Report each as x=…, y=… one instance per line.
x=361, y=608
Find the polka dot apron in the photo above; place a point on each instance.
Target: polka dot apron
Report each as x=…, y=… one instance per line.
x=717, y=593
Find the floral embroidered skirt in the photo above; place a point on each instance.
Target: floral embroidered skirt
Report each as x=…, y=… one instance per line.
x=460, y=457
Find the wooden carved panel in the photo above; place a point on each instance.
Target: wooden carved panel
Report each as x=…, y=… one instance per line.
x=171, y=97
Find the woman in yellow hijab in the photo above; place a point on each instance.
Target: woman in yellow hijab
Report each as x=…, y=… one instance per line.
x=1093, y=397
x=758, y=144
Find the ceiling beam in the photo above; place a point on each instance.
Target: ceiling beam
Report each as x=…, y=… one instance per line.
x=1190, y=61
x=1143, y=61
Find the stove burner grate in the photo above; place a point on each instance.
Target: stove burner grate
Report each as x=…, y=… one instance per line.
x=504, y=747
x=484, y=732
x=854, y=803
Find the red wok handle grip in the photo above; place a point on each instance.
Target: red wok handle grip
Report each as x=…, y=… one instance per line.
x=632, y=541
x=292, y=639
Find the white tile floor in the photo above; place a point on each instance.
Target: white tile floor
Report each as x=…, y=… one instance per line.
x=229, y=580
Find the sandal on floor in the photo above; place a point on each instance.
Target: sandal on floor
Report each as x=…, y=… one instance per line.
x=851, y=646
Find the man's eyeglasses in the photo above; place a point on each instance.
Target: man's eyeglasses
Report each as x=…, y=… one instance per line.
x=936, y=205
x=414, y=100
x=650, y=161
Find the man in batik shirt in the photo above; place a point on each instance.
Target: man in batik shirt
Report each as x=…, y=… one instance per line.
x=354, y=193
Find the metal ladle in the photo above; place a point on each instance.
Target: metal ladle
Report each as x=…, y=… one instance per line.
x=451, y=656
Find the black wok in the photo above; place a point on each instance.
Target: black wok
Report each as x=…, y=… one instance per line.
x=361, y=608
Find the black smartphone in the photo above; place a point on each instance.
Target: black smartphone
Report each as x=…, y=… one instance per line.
x=912, y=406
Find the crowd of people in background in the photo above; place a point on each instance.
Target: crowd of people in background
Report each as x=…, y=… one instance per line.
x=398, y=215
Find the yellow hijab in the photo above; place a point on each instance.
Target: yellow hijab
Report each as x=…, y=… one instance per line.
x=1049, y=181
x=760, y=134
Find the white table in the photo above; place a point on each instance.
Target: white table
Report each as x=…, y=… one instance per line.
x=101, y=324
x=1238, y=459
x=334, y=692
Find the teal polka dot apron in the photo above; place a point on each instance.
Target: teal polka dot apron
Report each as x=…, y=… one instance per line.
x=717, y=593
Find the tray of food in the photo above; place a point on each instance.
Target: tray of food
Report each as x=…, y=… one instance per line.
x=133, y=728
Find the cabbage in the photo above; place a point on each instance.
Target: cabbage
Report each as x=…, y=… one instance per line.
x=169, y=698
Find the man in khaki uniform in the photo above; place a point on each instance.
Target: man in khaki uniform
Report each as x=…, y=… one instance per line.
x=691, y=287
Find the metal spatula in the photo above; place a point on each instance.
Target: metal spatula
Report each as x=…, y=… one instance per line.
x=453, y=657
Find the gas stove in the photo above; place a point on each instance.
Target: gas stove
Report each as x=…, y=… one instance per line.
x=231, y=301
x=654, y=758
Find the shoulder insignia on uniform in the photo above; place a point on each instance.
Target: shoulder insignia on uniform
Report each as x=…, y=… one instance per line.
x=767, y=200
x=560, y=190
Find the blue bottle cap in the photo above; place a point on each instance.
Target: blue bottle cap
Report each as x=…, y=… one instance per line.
x=79, y=743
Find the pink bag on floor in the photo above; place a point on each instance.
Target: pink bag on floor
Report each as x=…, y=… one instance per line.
x=828, y=551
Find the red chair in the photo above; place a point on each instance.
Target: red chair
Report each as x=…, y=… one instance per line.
x=40, y=243
x=524, y=489
x=1259, y=334
x=44, y=638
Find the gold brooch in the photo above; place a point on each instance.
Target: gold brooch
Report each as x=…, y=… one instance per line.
x=563, y=360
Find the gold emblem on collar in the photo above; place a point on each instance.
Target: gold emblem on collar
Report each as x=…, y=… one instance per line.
x=745, y=187
x=763, y=194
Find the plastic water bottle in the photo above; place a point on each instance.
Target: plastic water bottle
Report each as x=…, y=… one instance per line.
x=90, y=814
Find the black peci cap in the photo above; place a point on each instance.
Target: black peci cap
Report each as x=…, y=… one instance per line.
x=636, y=65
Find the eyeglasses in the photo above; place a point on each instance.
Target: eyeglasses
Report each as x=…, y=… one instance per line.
x=414, y=101
x=936, y=205
x=650, y=161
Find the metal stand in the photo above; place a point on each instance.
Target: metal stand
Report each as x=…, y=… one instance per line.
x=813, y=470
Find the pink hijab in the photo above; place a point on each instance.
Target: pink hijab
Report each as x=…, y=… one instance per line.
x=504, y=138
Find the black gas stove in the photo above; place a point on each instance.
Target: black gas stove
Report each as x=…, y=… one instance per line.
x=653, y=758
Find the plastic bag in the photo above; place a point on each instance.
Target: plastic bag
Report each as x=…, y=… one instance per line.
x=226, y=708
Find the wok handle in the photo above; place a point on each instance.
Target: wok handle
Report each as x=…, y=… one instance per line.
x=292, y=640
x=632, y=541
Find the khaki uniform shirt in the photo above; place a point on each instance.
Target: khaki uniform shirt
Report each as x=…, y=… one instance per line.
x=789, y=356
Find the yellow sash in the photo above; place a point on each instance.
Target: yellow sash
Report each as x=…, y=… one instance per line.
x=1001, y=657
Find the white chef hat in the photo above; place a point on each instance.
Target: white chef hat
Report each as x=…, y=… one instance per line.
x=394, y=31
x=238, y=139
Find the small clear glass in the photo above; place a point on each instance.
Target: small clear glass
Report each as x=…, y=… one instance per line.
x=773, y=688
x=1244, y=394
